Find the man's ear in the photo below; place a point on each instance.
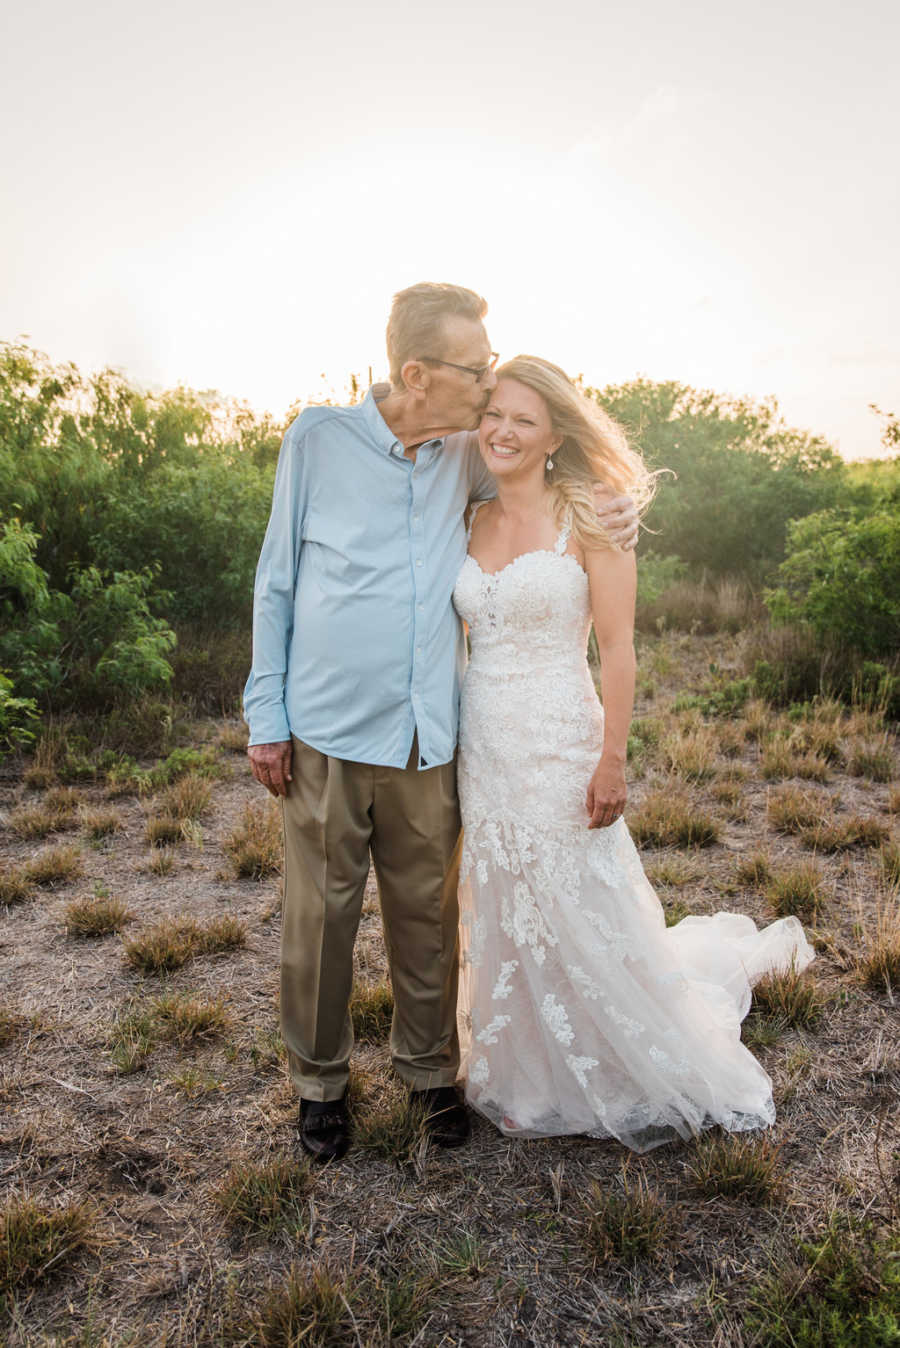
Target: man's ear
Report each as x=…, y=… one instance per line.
x=416, y=376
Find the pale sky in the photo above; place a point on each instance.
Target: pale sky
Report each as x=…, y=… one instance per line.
x=696, y=191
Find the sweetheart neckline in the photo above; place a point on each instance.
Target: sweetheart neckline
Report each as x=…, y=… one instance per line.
x=534, y=552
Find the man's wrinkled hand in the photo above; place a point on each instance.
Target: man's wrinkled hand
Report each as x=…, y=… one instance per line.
x=271, y=765
x=618, y=516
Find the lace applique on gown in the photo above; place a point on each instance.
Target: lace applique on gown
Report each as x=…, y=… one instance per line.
x=580, y=1012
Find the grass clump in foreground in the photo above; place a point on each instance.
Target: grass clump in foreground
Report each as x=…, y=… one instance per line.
x=878, y=963
x=189, y=1019
x=309, y=1309
x=790, y=808
x=738, y=1167
x=797, y=891
x=371, y=1011
x=35, y=1239
x=668, y=819
x=170, y=944
x=780, y=759
x=629, y=1226
x=393, y=1129
x=100, y=824
x=790, y=998
x=842, y=835
x=262, y=1199
x=54, y=866
x=872, y=760
x=15, y=886
x=54, y=814
x=254, y=847
x=840, y=1291
x=754, y=870
x=98, y=916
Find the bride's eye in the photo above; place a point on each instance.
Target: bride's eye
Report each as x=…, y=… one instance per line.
x=490, y=412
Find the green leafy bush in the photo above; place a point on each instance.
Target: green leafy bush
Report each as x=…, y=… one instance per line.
x=842, y=577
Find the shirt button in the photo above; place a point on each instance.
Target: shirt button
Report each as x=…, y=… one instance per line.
x=418, y=650
x=417, y=516
x=418, y=561
x=420, y=607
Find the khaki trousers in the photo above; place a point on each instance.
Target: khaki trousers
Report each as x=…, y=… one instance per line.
x=335, y=812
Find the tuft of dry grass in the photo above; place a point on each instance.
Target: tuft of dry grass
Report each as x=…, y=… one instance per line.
x=754, y=870
x=15, y=886
x=99, y=916
x=162, y=861
x=10, y=1024
x=668, y=818
x=759, y=721
x=254, y=847
x=233, y=739
x=131, y=1039
x=99, y=823
x=791, y=808
x=674, y=870
x=37, y=821
x=781, y=759
x=878, y=962
x=841, y=835
x=393, y=1129
x=789, y=997
x=690, y=753
x=263, y=1198
x=872, y=759
x=737, y=1166
x=310, y=1309
x=797, y=891
x=889, y=859
x=162, y=830
x=172, y=942
x=630, y=1226
x=371, y=1011
x=188, y=1018
x=54, y=866
x=37, y=1239
x=187, y=798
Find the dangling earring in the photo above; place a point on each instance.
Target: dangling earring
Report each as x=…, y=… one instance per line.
x=549, y=464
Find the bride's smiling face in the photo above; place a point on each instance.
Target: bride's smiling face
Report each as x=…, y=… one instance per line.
x=515, y=435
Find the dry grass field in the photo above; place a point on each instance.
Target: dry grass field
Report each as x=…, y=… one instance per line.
x=153, y=1192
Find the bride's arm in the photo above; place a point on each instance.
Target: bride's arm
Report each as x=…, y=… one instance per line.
x=612, y=575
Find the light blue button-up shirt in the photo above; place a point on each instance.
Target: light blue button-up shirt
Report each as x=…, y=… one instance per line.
x=356, y=644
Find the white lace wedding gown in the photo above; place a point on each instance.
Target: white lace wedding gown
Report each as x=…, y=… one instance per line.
x=580, y=1012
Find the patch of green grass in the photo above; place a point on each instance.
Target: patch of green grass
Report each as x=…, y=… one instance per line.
x=742, y=1167
x=254, y=847
x=841, y=1290
x=760, y=1031
x=371, y=1011
x=132, y=1038
x=797, y=890
x=631, y=1225
x=668, y=818
x=674, y=911
x=263, y=1198
x=462, y=1256
x=37, y=1239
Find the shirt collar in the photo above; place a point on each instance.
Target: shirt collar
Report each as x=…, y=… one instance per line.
x=381, y=432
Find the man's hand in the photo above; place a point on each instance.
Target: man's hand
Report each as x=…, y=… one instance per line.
x=271, y=765
x=617, y=515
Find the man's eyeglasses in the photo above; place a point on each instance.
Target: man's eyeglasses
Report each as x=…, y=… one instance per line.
x=479, y=371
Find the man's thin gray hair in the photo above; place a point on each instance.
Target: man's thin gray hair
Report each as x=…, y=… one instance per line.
x=416, y=324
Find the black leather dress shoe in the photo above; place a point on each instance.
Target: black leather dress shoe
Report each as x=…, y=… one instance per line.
x=324, y=1128
x=446, y=1118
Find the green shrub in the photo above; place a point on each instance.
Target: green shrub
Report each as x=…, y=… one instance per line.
x=841, y=577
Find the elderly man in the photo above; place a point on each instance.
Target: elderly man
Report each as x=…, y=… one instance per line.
x=352, y=701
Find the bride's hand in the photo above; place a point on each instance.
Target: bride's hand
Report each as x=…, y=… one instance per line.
x=606, y=794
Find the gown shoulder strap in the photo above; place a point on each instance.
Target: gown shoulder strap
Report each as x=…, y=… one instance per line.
x=475, y=507
x=565, y=533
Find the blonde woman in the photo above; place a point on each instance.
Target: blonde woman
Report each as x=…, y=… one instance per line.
x=580, y=1012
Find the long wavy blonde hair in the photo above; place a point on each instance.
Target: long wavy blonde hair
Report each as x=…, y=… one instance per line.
x=594, y=449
